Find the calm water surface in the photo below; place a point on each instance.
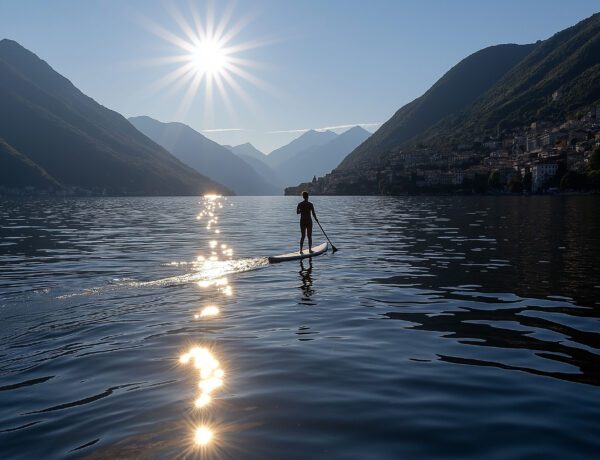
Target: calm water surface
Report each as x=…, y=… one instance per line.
x=444, y=327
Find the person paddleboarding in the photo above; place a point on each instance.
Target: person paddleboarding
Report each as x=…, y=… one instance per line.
x=305, y=208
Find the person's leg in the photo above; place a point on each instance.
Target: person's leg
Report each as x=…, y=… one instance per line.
x=309, y=234
x=303, y=231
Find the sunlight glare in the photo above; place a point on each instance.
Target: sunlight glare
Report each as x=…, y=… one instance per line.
x=211, y=310
x=203, y=400
x=203, y=436
x=208, y=58
x=210, y=373
x=207, y=53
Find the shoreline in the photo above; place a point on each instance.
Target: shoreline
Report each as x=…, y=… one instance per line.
x=46, y=195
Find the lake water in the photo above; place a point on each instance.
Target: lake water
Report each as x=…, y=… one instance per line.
x=444, y=327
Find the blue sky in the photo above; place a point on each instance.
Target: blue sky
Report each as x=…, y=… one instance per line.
x=320, y=63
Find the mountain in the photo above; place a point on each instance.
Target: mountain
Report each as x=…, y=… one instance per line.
x=561, y=75
x=258, y=160
x=305, y=141
x=18, y=171
x=265, y=171
x=455, y=91
x=204, y=155
x=320, y=159
x=248, y=150
x=57, y=129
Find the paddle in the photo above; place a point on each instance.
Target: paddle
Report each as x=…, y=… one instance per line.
x=332, y=246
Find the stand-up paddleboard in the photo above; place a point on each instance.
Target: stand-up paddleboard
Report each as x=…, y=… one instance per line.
x=316, y=251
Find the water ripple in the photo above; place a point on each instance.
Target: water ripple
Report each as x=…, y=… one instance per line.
x=444, y=327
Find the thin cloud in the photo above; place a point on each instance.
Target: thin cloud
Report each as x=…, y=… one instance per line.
x=324, y=128
x=223, y=130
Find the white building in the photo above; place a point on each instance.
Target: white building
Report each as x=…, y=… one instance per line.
x=531, y=143
x=548, y=138
x=541, y=173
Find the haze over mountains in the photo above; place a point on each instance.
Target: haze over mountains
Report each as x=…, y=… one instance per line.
x=307, y=140
x=321, y=157
x=247, y=150
x=56, y=135
x=202, y=154
x=255, y=158
x=313, y=153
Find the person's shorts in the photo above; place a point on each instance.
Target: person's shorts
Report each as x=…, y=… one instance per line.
x=306, y=224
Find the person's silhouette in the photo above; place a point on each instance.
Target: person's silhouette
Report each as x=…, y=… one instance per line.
x=305, y=209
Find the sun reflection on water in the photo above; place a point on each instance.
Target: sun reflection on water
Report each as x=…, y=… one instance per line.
x=203, y=436
x=210, y=375
x=211, y=271
x=211, y=310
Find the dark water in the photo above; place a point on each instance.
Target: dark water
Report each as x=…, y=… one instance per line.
x=443, y=328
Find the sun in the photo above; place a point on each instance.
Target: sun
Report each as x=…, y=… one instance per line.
x=207, y=54
x=209, y=58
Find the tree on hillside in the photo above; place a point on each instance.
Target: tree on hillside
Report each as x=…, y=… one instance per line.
x=527, y=181
x=515, y=185
x=494, y=181
x=594, y=162
x=573, y=180
x=593, y=180
x=554, y=181
x=478, y=184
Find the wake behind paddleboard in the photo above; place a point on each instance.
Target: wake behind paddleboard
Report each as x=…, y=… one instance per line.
x=316, y=251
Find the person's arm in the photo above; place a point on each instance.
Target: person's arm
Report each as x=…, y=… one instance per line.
x=312, y=208
x=298, y=209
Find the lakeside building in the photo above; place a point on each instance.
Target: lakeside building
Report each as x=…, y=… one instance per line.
x=542, y=173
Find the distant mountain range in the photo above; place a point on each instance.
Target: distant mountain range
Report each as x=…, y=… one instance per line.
x=56, y=136
x=484, y=95
x=247, y=150
x=202, y=154
x=309, y=139
x=321, y=158
x=258, y=160
x=313, y=153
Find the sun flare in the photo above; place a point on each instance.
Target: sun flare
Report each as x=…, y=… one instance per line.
x=207, y=53
x=209, y=58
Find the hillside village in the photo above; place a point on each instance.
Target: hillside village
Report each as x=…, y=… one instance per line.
x=539, y=158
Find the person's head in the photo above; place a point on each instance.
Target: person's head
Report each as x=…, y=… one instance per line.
x=305, y=195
